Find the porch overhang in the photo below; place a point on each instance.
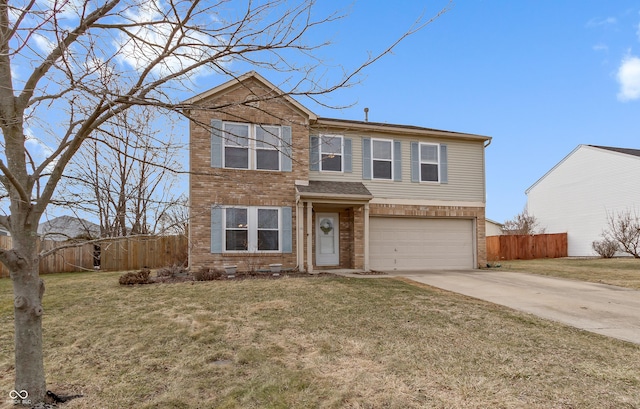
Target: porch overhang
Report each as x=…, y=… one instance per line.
x=327, y=194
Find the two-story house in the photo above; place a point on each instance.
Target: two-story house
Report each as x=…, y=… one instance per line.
x=273, y=183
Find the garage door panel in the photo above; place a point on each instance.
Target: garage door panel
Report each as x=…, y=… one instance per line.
x=419, y=244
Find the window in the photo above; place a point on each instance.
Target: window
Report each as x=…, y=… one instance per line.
x=236, y=145
x=429, y=162
x=382, y=159
x=331, y=153
x=250, y=146
x=267, y=143
x=251, y=229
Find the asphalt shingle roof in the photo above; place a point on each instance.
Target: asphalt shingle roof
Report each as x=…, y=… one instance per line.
x=634, y=152
x=335, y=188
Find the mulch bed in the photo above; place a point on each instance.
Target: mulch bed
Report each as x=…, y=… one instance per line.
x=241, y=275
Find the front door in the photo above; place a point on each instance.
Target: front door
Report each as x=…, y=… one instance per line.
x=327, y=239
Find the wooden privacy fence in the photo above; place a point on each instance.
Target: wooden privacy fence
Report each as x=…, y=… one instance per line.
x=526, y=247
x=125, y=253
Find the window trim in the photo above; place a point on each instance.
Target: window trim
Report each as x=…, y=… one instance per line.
x=252, y=148
x=341, y=152
x=421, y=162
x=391, y=161
x=252, y=230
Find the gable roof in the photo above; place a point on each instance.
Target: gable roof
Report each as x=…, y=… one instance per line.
x=632, y=152
x=244, y=77
x=347, y=124
x=68, y=227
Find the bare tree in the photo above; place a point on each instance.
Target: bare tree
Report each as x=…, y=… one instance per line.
x=522, y=224
x=68, y=67
x=125, y=175
x=623, y=228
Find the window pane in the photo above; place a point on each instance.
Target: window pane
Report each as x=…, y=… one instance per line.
x=428, y=172
x=331, y=144
x=382, y=149
x=236, y=240
x=267, y=137
x=267, y=240
x=331, y=162
x=267, y=159
x=429, y=153
x=381, y=169
x=236, y=135
x=236, y=158
x=236, y=218
x=268, y=219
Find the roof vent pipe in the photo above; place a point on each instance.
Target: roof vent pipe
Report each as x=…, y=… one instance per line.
x=366, y=114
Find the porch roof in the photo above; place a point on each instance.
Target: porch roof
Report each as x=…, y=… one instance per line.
x=317, y=189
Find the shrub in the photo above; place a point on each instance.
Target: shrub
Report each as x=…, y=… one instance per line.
x=135, y=277
x=205, y=274
x=171, y=271
x=605, y=248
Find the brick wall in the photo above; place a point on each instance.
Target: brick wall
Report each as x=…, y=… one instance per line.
x=210, y=186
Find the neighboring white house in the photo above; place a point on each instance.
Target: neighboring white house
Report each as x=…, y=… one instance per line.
x=577, y=194
x=493, y=228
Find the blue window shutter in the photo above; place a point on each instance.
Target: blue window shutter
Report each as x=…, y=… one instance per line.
x=216, y=143
x=415, y=162
x=348, y=167
x=314, y=153
x=397, y=161
x=216, y=229
x=444, y=172
x=287, y=230
x=286, y=151
x=366, y=158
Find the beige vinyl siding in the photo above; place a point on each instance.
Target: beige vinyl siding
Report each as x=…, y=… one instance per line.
x=466, y=171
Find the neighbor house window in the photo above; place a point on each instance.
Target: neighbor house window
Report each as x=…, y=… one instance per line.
x=331, y=153
x=382, y=159
x=252, y=229
x=429, y=162
x=267, y=144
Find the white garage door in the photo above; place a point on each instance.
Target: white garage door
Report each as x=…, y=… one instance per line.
x=420, y=244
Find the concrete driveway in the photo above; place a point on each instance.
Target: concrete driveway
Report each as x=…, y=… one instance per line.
x=604, y=309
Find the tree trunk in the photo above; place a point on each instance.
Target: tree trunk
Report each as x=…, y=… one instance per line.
x=28, y=290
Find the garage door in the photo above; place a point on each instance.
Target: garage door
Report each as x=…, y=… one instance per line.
x=420, y=244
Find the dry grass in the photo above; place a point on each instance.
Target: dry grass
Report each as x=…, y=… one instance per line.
x=624, y=272
x=321, y=342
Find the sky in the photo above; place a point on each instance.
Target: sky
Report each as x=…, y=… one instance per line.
x=540, y=77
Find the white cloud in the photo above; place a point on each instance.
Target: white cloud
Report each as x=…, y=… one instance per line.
x=629, y=79
x=600, y=47
x=43, y=43
x=152, y=39
x=594, y=22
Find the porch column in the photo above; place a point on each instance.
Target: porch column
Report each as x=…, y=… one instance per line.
x=366, y=237
x=300, y=236
x=309, y=237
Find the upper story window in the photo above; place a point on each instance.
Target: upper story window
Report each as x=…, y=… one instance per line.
x=429, y=162
x=267, y=144
x=331, y=153
x=382, y=159
x=250, y=146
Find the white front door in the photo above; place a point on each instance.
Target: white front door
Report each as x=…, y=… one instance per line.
x=327, y=239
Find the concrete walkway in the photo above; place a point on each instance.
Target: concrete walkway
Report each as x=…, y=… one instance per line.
x=603, y=309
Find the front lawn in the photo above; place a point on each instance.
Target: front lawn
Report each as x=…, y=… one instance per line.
x=624, y=272
x=312, y=343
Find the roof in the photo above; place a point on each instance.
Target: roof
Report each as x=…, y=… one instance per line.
x=343, y=124
x=626, y=151
x=244, y=77
x=347, y=124
x=335, y=190
x=68, y=227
